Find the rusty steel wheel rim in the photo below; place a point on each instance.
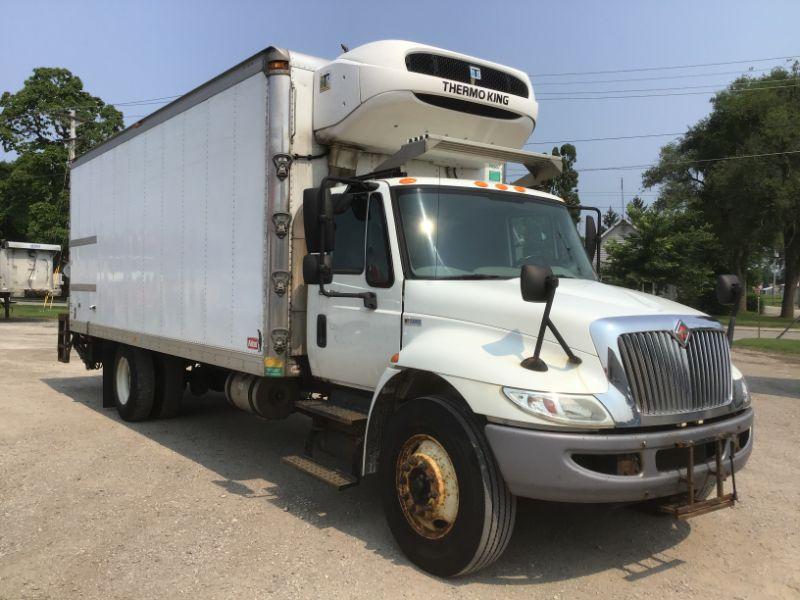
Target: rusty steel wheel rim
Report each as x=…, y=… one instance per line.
x=427, y=487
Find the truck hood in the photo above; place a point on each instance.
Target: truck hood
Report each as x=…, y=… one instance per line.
x=498, y=304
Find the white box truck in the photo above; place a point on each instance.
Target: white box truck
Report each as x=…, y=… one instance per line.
x=337, y=239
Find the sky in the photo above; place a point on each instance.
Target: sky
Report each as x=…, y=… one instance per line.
x=124, y=50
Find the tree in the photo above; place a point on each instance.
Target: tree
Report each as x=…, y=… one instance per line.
x=637, y=203
x=609, y=218
x=565, y=186
x=668, y=247
x=748, y=202
x=34, y=124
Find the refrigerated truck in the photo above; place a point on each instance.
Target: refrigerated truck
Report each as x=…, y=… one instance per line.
x=339, y=239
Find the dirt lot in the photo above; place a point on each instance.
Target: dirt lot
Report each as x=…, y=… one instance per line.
x=202, y=507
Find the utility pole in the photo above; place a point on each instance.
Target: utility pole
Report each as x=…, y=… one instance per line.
x=621, y=198
x=73, y=127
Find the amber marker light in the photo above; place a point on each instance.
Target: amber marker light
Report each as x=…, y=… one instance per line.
x=278, y=65
x=395, y=357
x=519, y=188
x=407, y=180
x=501, y=186
x=482, y=184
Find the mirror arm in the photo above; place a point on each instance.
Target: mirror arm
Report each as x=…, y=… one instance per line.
x=535, y=362
x=370, y=299
x=570, y=354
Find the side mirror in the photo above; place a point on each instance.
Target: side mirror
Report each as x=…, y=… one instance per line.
x=318, y=219
x=317, y=269
x=729, y=289
x=590, y=241
x=537, y=284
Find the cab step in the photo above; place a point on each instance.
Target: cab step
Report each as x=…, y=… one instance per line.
x=332, y=477
x=331, y=412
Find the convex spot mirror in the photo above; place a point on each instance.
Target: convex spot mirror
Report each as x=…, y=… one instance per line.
x=318, y=220
x=537, y=283
x=317, y=268
x=729, y=288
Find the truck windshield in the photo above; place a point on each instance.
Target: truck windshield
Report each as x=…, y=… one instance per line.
x=457, y=233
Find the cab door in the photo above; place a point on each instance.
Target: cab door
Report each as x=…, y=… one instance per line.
x=348, y=343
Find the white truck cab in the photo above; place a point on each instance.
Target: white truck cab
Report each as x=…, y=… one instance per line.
x=363, y=261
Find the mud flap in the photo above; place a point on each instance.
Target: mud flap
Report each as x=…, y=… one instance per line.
x=64, y=338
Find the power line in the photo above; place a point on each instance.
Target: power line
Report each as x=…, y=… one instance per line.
x=666, y=68
x=689, y=162
x=683, y=162
x=604, y=139
x=757, y=89
x=688, y=75
x=683, y=87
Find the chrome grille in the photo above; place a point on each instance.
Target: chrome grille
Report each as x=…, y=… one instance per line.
x=666, y=378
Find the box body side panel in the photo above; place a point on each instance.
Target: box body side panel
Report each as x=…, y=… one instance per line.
x=178, y=217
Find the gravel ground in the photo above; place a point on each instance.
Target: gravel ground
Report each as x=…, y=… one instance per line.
x=202, y=507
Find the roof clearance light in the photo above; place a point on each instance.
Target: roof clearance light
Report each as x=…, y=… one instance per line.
x=519, y=188
x=482, y=184
x=406, y=180
x=501, y=186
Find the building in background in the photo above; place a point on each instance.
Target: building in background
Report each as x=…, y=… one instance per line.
x=619, y=231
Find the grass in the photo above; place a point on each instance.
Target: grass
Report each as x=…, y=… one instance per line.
x=32, y=311
x=751, y=319
x=768, y=345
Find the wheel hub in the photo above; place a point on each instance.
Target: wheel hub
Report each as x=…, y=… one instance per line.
x=123, y=380
x=427, y=487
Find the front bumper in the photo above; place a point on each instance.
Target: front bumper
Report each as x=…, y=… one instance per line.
x=542, y=465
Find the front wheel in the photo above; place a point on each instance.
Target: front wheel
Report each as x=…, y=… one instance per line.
x=444, y=497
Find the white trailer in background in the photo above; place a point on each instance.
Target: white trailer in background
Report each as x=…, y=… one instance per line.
x=337, y=239
x=28, y=269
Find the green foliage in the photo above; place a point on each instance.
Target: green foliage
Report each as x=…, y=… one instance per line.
x=609, y=218
x=752, y=202
x=668, y=247
x=636, y=203
x=34, y=123
x=565, y=186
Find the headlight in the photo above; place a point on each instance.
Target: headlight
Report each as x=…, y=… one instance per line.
x=741, y=395
x=578, y=410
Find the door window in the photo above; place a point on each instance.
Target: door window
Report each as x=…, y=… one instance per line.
x=350, y=223
x=378, y=259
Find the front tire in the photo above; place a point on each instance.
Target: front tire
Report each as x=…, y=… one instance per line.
x=134, y=383
x=445, y=500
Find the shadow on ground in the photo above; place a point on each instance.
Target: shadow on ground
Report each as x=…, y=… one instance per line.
x=552, y=542
x=774, y=386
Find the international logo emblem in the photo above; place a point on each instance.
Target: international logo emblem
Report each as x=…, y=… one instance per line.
x=682, y=333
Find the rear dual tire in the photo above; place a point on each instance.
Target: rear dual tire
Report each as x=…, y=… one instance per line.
x=134, y=383
x=433, y=452
x=147, y=385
